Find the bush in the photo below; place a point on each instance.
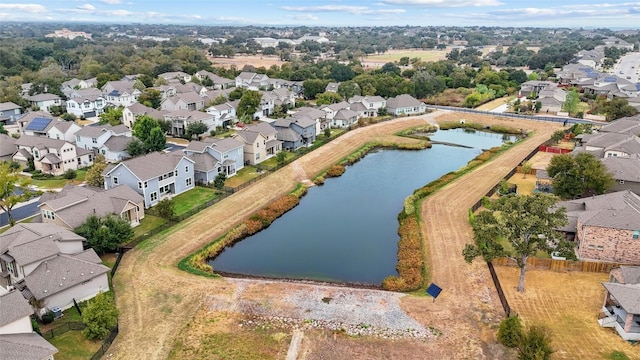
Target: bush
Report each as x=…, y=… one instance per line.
x=100, y=316
x=335, y=171
x=70, y=174
x=47, y=318
x=536, y=344
x=510, y=332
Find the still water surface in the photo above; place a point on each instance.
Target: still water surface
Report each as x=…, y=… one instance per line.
x=346, y=229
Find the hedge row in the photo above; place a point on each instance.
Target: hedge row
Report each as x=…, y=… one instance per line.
x=500, y=129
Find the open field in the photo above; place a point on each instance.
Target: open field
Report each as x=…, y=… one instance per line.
x=158, y=302
x=568, y=303
x=239, y=61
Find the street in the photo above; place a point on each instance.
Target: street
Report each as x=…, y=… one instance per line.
x=628, y=67
x=21, y=211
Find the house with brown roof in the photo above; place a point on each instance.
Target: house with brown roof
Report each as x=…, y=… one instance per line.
x=154, y=176
x=17, y=338
x=212, y=156
x=405, y=105
x=606, y=227
x=621, y=308
x=7, y=147
x=260, y=142
x=70, y=207
x=51, y=156
x=47, y=263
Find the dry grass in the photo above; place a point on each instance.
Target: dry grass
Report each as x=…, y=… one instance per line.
x=525, y=184
x=567, y=303
x=240, y=61
x=493, y=104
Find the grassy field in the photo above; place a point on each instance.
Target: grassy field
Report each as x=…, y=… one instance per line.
x=568, y=304
x=192, y=199
x=58, y=182
x=395, y=55
x=72, y=345
x=245, y=174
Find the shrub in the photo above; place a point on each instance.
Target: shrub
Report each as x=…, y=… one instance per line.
x=70, y=174
x=335, y=170
x=100, y=316
x=47, y=318
x=510, y=332
x=166, y=208
x=536, y=344
x=35, y=326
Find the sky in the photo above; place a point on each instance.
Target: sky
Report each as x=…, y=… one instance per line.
x=539, y=13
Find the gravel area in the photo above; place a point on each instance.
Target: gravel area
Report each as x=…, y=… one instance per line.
x=302, y=306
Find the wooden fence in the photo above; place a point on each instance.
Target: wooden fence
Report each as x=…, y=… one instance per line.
x=553, y=149
x=561, y=265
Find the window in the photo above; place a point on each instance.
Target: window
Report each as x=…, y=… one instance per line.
x=186, y=169
x=600, y=247
x=188, y=181
x=94, y=140
x=257, y=156
x=636, y=234
x=591, y=246
x=621, y=182
x=154, y=196
x=139, y=184
x=48, y=214
x=115, y=180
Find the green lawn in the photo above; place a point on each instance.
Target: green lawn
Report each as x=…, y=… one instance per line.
x=193, y=198
x=73, y=345
x=147, y=224
x=245, y=174
x=58, y=182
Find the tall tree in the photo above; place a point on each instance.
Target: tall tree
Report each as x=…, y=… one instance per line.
x=94, y=174
x=582, y=175
x=196, y=128
x=249, y=103
x=105, y=234
x=113, y=116
x=571, y=102
x=100, y=316
x=527, y=222
x=149, y=131
x=13, y=189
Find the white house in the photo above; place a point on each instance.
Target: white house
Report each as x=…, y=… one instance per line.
x=43, y=102
x=224, y=115
x=180, y=120
x=120, y=92
x=405, y=105
x=252, y=81
x=86, y=103
x=133, y=111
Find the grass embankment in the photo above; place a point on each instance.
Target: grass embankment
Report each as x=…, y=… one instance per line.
x=413, y=272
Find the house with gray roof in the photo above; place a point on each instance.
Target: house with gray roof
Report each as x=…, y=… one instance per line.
x=39, y=123
x=120, y=92
x=625, y=172
x=317, y=115
x=296, y=131
x=17, y=338
x=621, y=308
x=610, y=144
x=47, y=263
x=224, y=115
x=606, y=227
x=332, y=87
x=260, y=142
x=51, y=156
x=154, y=176
x=405, y=105
x=70, y=207
x=218, y=81
x=212, y=156
x=9, y=112
x=183, y=101
x=180, y=120
x=102, y=139
x=86, y=102
x=252, y=81
x=176, y=75
x=43, y=102
x=551, y=98
x=625, y=125
x=367, y=106
x=7, y=147
x=133, y=111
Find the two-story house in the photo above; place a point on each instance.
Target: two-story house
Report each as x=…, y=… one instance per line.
x=17, y=338
x=252, y=81
x=180, y=120
x=183, y=101
x=133, y=111
x=120, y=93
x=9, y=112
x=405, y=105
x=51, y=156
x=70, y=207
x=103, y=139
x=260, y=142
x=317, y=115
x=154, y=176
x=213, y=156
x=367, y=106
x=86, y=103
x=176, y=75
x=295, y=132
x=42, y=124
x=217, y=81
x=224, y=115
x=50, y=262
x=43, y=102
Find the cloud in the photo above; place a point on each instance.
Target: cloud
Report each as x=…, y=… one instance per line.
x=111, y=2
x=304, y=17
x=118, y=13
x=86, y=7
x=444, y=3
x=30, y=8
x=355, y=10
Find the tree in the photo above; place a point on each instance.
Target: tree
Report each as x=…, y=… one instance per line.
x=94, y=174
x=218, y=182
x=151, y=98
x=100, y=316
x=13, y=189
x=525, y=167
x=527, y=222
x=149, y=131
x=348, y=89
x=249, y=103
x=327, y=98
x=196, y=128
x=582, y=175
x=510, y=332
x=571, y=102
x=2, y=129
x=113, y=116
x=281, y=157
x=156, y=141
x=135, y=147
x=312, y=87
x=105, y=234
x=535, y=344
x=557, y=136
x=165, y=208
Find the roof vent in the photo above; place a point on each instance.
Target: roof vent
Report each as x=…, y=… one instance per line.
x=44, y=291
x=81, y=274
x=60, y=284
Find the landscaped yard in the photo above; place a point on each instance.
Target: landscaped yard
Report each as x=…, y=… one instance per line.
x=191, y=199
x=58, y=182
x=147, y=224
x=73, y=345
x=242, y=176
x=568, y=304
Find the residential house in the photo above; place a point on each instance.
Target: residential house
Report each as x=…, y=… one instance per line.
x=70, y=207
x=405, y=105
x=284, y=96
x=266, y=42
x=7, y=147
x=621, y=308
x=120, y=93
x=295, y=132
x=180, y=120
x=332, y=87
x=183, y=101
x=260, y=142
x=317, y=115
x=607, y=144
x=224, y=115
x=344, y=118
x=575, y=74
x=591, y=58
x=176, y=75
x=252, y=81
x=213, y=156
x=369, y=105
x=43, y=102
x=86, y=103
x=626, y=125
x=17, y=338
x=332, y=109
x=51, y=156
x=191, y=88
x=75, y=84
x=218, y=81
x=606, y=227
x=610, y=86
x=42, y=124
x=48, y=264
x=133, y=111
x=154, y=176
x=551, y=98
x=267, y=105
x=625, y=172
x=110, y=141
x=9, y=112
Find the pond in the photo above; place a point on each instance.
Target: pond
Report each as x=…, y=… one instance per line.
x=346, y=229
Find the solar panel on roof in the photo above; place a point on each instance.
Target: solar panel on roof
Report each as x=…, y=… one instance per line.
x=38, y=124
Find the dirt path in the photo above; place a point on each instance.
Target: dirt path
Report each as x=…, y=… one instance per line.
x=156, y=299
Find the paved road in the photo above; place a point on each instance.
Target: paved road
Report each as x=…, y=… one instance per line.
x=628, y=67
x=23, y=211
